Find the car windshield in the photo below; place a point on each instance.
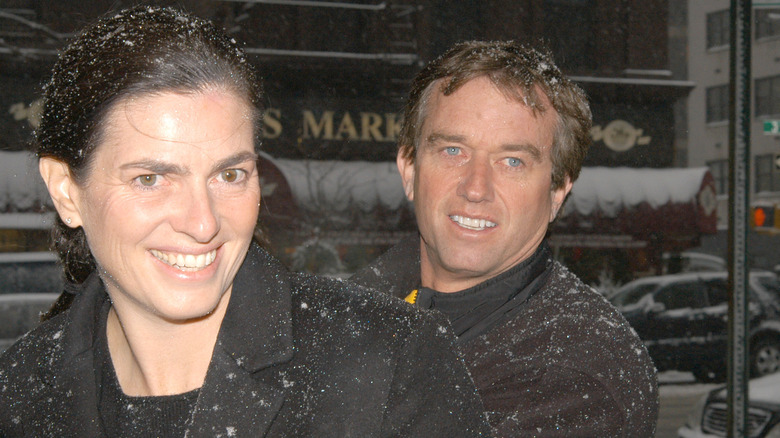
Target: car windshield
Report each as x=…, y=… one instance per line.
x=771, y=284
x=632, y=294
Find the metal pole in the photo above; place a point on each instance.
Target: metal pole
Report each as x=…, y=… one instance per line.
x=739, y=203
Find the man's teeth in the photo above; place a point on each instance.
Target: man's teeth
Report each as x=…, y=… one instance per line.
x=472, y=224
x=186, y=261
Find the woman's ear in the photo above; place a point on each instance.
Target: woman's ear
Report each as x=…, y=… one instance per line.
x=62, y=189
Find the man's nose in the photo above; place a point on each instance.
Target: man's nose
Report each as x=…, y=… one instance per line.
x=196, y=214
x=476, y=183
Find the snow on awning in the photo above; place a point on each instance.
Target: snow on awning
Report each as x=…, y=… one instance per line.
x=340, y=185
x=641, y=202
x=610, y=190
x=21, y=188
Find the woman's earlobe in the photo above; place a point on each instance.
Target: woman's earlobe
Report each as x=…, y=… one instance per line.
x=56, y=175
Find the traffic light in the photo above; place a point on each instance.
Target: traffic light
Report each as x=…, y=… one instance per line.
x=765, y=217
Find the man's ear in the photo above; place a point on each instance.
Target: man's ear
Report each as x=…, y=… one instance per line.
x=62, y=189
x=406, y=168
x=558, y=196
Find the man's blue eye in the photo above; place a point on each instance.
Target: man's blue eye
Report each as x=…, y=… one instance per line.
x=453, y=151
x=514, y=162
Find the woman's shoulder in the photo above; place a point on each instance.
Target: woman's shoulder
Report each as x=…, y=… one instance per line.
x=37, y=348
x=344, y=299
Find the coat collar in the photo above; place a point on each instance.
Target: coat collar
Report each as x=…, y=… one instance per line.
x=256, y=333
x=257, y=329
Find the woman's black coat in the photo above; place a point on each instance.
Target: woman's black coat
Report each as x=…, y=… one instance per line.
x=296, y=356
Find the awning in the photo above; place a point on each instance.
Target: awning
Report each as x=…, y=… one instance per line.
x=646, y=204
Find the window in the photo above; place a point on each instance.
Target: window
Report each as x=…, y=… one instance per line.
x=767, y=179
x=569, y=27
x=717, y=292
x=767, y=22
x=683, y=295
x=718, y=29
x=771, y=284
x=717, y=103
x=768, y=96
x=720, y=172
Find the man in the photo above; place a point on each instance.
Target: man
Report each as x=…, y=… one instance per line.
x=492, y=140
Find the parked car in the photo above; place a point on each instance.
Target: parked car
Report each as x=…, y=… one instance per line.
x=683, y=321
x=708, y=417
x=691, y=261
x=25, y=272
x=19, y=313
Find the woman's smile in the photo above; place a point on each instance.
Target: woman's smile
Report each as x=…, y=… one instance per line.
x=186, y=262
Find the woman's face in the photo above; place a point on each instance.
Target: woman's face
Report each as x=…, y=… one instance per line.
x=170, y=202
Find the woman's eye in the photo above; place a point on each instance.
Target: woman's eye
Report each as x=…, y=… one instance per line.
x=514, y=162
x=452, y=150
x=231, y=175
x=147, y=180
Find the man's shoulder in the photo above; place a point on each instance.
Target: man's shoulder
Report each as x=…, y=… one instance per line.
x=567, y=295
x=568, y=332
x=567, y=324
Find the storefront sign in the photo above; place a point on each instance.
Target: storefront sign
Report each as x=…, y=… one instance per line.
x=619, y=135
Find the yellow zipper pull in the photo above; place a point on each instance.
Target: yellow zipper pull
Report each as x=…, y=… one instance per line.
x=412, y=297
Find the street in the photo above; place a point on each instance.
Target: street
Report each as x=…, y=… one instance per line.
x=679, y=394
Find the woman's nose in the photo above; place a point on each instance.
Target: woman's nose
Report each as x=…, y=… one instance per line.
x=197, y=215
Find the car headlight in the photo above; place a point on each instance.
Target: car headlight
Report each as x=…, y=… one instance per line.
x=694, y=418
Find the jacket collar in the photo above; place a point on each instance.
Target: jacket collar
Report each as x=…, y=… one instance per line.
x=257, y=329
x=256, y=333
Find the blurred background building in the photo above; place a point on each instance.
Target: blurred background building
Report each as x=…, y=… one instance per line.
x=337, y=73
x=708, y=114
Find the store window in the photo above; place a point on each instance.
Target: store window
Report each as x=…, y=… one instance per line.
x=768, y=96
x=767, y=22
x=717, y=103
x=718, y=29
x=720, y=172
x=767, y=178
x=575, y=37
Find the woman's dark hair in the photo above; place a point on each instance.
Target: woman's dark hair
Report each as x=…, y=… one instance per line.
x=143, y=50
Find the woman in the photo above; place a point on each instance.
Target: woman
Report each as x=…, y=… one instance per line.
x=180, y=326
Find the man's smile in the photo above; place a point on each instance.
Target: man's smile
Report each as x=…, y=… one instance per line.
x=471, y=223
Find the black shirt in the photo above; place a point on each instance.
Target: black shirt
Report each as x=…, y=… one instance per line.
x=129, y=416
x=476, y=310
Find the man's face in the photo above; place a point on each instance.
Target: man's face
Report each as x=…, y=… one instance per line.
x=481, y=184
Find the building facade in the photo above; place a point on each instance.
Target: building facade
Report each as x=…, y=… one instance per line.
x=708, y=103
x=336, y=76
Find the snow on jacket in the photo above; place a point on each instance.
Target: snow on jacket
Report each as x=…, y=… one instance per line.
x=566, y=364
x=296, y=356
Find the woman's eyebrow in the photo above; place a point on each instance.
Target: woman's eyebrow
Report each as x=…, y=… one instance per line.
x=241, y=157
x=156, y=166
x=164, y=168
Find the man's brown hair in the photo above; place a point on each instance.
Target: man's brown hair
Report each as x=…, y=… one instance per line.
x=517, y=71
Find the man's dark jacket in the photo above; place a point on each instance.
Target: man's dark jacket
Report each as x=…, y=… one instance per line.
x=295, y=357
x=563, y=363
